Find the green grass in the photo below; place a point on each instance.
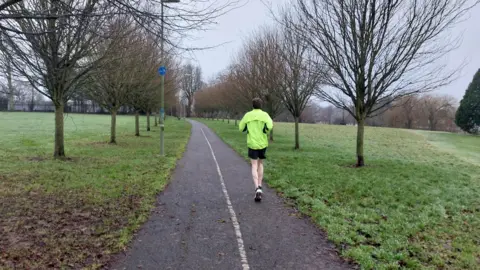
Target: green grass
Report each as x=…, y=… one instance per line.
x=75, y=213
x=416, y=205
x=463, y=146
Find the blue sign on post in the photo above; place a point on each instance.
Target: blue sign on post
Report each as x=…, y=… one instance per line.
x=162, y=70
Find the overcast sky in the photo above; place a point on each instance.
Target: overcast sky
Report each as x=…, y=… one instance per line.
x=238, y=24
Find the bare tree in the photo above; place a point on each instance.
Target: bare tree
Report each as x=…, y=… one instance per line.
x=178, y=19
x=310, y=114
x=216, y=99
x=409, y=106
x=191, y=83
x=25, y=95
x=34, y=98
x=53, y=62
x=152, y=99
x=48, y=40
x=236, y=103
x=171, y=88
x=238, y=91
x=286, y=68
x=299, y=72
x=328, y=113
x=433, y=112
x=263, y=59
x=254, y=77
x=9, y=89
x=172, y=84
x=436, y=108
x=379, y=50
x=226, y=100
x=143, y=95
x=219, y=97
x=110, y=82
x=18, y=92
x=201, y=103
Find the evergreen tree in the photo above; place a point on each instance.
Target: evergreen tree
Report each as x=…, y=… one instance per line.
x=468, y=114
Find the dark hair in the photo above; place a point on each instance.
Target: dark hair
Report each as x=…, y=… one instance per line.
x=257, y=103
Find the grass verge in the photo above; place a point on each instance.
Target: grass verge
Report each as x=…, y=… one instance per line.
x=414, y=206
x=76, y=213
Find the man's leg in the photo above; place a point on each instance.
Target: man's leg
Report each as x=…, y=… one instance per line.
x=255, y=172
x=253, y=154
x=260, y=172
x=258, y=190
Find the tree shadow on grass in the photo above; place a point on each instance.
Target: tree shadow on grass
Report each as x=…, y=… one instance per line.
x=45, y=158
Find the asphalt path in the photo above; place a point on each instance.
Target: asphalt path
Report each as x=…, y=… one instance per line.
x=207, y=218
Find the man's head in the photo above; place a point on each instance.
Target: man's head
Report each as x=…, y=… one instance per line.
x=257, y=103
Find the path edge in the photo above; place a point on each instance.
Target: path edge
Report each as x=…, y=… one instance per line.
x=118, y=256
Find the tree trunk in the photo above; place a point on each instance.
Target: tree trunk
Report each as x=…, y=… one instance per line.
x=409, y=123
x=156, y=120
x=148, y=121
x=11, y=97
x=137, y=123
x=432, y=123
x=297, y=135
x=31, y=106
x=360, y=136
x=59, y=151
x=236, y=124
x=113, y=128
x=189, y=106
x=271, y=135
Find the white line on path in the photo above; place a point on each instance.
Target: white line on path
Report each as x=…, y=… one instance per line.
x=236, y=226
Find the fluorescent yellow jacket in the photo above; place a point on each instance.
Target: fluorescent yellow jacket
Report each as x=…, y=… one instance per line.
x=257, y=124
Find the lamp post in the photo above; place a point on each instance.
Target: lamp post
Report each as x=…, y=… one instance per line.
x=162, y=71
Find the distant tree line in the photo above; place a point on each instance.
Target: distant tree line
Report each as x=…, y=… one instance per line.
x=425, y=112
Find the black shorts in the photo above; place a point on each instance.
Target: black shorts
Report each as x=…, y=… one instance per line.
x=257, y=154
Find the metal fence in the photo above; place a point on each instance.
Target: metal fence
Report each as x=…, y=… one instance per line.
x=71, y=107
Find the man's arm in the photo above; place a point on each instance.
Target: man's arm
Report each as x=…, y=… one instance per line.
x=269, y=122
x=242, y=124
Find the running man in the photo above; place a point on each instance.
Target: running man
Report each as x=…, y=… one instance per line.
x=257, y=124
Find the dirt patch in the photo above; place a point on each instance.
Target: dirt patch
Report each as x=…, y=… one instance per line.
x=106, y=144
x=97, y=143
x=41, y=159
x=36, y=159
x=71, y=159
x=57, y=231
x=354, y=166
x=94, y=144
x=141, y=136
